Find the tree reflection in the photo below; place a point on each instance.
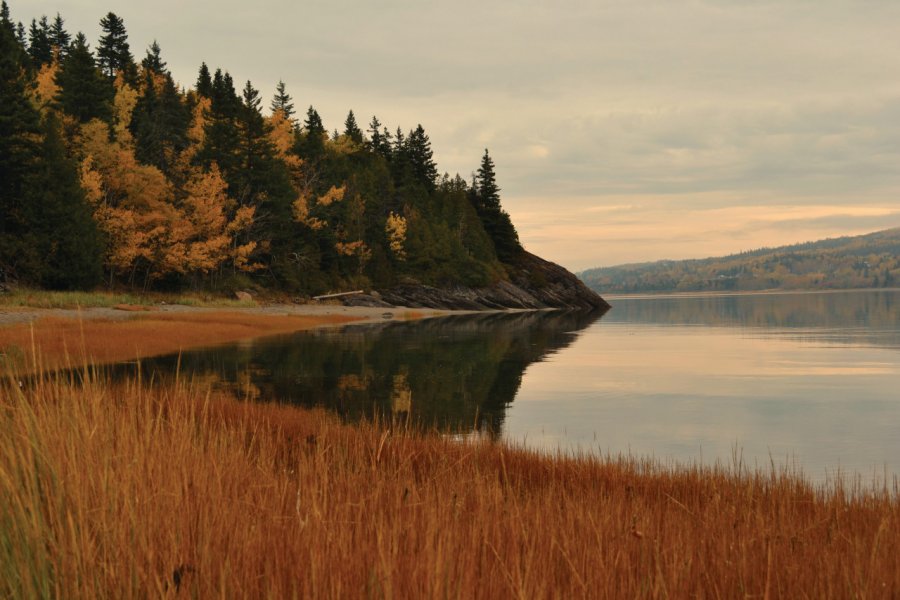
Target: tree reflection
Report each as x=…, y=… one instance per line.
x=454, y=373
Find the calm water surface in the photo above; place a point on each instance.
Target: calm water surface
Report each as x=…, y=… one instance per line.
x=811, y=380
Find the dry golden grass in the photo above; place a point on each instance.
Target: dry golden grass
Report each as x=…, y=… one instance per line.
x=133, y=491
x=61, y=341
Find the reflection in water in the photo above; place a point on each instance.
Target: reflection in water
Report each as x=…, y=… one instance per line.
x=811, y=378
x=851, y=316
x=456, y=372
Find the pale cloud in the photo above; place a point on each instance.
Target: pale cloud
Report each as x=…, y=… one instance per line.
x=782, y=116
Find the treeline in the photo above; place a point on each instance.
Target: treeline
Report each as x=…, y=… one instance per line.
x=112, y=174
x=867, y=261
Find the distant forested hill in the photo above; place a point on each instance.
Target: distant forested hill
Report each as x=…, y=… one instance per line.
x=871, y=260
x=114, y=174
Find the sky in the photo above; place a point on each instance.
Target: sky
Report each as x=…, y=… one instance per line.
x=622, y=131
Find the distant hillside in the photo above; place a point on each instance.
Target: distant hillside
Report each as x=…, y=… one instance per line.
x=841, y=263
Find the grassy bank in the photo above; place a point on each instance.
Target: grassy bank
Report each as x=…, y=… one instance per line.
x=34, y=298
x=133, y=491
x=66, y=341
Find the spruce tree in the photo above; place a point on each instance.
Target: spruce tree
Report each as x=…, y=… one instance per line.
x=39, y=47
x=160, y=121
x=421, y=158
x=204, y=82
x=312, y=139
x=352, y=130
x=282, y=101
x=379, y=141
x=153, y=61
x=5, y=20
x=19, y=150
x=59, y=37
x=113, y=51
x=84, y=92
x=496, y=221
x=67, y=238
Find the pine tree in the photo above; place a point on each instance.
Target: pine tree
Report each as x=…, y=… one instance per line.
x=282, y=101
x=204, y=81
x=352, y=130
x=486, y=199
x=66, y=235
x=113, y=52
x=39, y=47
x=19, y=131
x=421, y=158
x=5, y=20
x=313, y=144
x=84, y=92
x=160, y=121
x=59, y=37
x=379, y=141
x=153, y=61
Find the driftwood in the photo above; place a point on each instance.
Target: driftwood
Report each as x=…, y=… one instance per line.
x=326, y=296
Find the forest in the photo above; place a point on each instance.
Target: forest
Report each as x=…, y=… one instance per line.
x=115, y=175
x=866, y=261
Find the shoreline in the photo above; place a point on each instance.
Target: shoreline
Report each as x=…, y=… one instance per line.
x=43, y=339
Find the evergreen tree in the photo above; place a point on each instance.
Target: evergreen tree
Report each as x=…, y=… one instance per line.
x=59, y=37
x=67, y=238
x=221, y=135
x=153, y=61
x=21, y=36
x=486, y=199
x=352, y=130
x=379, y=141
x=421, y=159
x=5, y=20
x=19, y=132
x=312, y=139
x=84, y=92
x=160, y=121
x=282, y=101
x=39, y=47
x=204, y=81
x=113, y=52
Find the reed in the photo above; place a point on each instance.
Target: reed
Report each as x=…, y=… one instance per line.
x=137, y=489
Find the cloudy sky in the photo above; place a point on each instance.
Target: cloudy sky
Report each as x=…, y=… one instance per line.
x=622, y=131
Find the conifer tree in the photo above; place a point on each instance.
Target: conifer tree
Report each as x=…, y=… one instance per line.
x=352, y=130
x=160, y=120
x=486, y=199
x=66, y=235
x=39, y=47
x=84, y=92
x=421, y=158
x=19, y=131
x=282, y=101
x=153, y=61
x=59, y=37
x=221, y=136
x=5, y=20
x=113, y=52
x=312, y=138
x=204, y=81
x=379, y=141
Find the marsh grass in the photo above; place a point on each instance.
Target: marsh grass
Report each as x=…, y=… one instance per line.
x=66, y=342
x=30, y=298
x=138, y=489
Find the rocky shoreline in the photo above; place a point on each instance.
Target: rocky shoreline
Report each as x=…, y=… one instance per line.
x=534, y=283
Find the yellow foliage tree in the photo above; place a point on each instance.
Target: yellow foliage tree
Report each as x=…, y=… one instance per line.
x=395, y=228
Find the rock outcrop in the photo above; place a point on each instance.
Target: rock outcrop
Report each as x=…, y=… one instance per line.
x=534, y=283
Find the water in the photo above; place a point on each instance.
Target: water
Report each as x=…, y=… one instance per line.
x=810, y=380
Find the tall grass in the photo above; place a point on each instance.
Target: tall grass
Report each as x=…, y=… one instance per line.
x=33, y=298
x=136, y=489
